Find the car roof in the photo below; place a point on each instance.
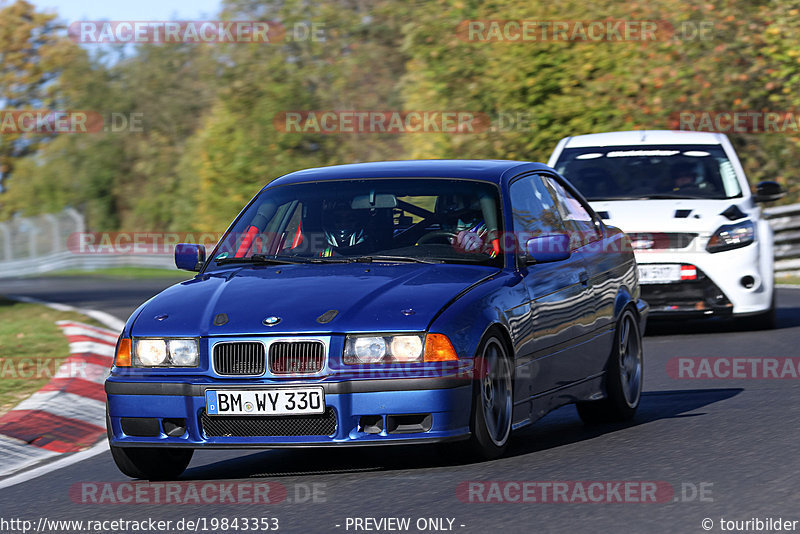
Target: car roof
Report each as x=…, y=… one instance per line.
x=645, y=137
x=489, y=170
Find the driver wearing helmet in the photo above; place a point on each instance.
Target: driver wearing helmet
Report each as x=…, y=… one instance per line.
x=684, y=177
x=342, y=225
x=464, y=218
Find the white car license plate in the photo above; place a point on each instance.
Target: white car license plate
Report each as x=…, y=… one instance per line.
x=284, y=401
x=659, y=274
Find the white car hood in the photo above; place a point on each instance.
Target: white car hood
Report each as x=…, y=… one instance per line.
x=660, y=215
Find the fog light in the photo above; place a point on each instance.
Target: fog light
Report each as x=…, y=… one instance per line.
x=371, y=424
x=174, y=428
x=747, y=282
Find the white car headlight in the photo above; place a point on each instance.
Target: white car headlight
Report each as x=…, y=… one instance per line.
x=365, y=349
x=151, y=352
x=731, y=236
x=183, y=352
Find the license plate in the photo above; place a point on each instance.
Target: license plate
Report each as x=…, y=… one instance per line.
x=659, y=274
x=284, y=401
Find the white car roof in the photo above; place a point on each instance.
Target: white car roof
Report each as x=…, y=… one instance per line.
x=645, y=137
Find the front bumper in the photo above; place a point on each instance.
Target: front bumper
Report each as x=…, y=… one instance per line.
x=719, y=290
x=690, y=298
x=400, y=411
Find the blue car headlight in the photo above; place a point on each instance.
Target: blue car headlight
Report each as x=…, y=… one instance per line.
x=157, y=352
x=366, y=349
x=183, y=352
x=731, y=236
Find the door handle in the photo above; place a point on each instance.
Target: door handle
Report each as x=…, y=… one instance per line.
x=583, y=276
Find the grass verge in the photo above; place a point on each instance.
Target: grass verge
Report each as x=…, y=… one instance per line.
x=128, y=273
x=31, y=348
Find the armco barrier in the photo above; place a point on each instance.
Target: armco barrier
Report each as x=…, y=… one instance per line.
x=785, y=221
x=38, y=245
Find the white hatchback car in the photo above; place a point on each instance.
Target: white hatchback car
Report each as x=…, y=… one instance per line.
x=698, y=234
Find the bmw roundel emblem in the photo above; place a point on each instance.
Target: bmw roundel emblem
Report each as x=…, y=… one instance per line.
x=271, y=320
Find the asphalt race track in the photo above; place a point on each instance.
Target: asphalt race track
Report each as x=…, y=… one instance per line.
x=724, y=448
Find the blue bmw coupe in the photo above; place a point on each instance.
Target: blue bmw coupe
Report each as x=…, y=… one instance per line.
x=378, y=304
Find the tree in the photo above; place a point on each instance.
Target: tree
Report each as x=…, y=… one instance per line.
x=33, y=54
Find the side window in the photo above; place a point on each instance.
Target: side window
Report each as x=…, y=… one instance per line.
x=578, y=221
x=533, y=210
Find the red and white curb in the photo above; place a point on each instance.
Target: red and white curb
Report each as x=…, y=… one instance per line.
x=68, y=414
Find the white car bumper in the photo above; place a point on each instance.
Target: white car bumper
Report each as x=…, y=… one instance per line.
x=722, y=274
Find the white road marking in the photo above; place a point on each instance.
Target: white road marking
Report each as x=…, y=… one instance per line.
x=86, y=371
x=82, y=347
x=110, y=338
x=15, y=454
x=67, y=460
x=100, y=316
x=67, y=405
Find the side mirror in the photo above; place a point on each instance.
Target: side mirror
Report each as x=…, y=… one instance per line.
x=769, y=191
x=547, y=248
x=190, y=257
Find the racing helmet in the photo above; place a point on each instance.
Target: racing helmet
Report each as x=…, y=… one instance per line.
x=343, y=225
x=458, y=212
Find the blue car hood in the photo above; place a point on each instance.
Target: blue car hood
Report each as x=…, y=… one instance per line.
x=367, y=297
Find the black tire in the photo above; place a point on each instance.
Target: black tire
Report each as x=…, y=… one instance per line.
x=492, y=400
x=624, y=376
x=149, y=463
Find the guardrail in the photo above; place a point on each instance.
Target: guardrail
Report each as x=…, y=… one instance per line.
x=66, y=260
x=785, y=222
x=38, y=245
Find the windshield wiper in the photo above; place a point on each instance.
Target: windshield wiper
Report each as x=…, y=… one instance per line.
x=262, y=259
x=389, y=258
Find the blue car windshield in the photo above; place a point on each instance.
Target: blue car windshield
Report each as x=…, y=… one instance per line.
x=650, y=172
x=380, y=219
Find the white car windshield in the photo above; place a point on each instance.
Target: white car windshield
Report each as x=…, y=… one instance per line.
x=650, y=172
